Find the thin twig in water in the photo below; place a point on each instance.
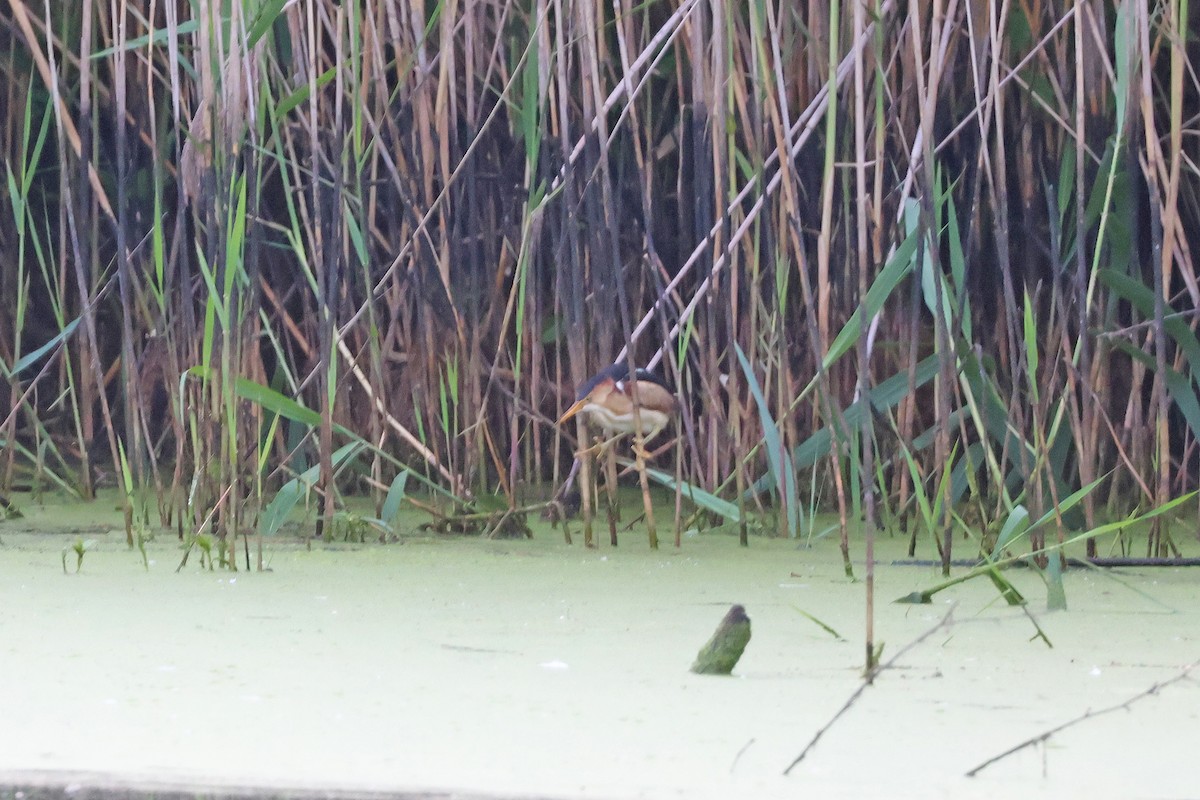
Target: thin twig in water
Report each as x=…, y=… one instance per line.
x=739, y=755
x=1044, y=736
x=850, y=701
x=1041, y=634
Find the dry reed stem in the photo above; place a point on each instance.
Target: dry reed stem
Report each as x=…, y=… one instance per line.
x=63, y=117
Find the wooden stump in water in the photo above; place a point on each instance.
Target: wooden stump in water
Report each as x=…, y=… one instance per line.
x=723, y=650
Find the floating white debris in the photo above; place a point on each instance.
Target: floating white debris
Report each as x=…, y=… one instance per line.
x=555, y=664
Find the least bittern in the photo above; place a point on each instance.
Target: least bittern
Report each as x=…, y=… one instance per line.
x=608, y=399
x=620, y=402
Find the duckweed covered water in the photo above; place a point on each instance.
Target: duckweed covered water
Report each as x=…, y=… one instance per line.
x=530, y=668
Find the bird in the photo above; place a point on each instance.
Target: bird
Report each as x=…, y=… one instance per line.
x=607, y=399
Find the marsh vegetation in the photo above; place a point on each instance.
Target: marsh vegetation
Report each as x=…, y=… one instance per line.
x=927, y=265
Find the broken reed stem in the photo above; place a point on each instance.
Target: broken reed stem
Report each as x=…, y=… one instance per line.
x=1044, y=736
x=867, y=681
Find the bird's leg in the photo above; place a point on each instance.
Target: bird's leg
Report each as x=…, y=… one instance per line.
x=647, y=456
x=640, y=442
x=597, y=446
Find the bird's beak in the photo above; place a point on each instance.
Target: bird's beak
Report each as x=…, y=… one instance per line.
x=573, y=410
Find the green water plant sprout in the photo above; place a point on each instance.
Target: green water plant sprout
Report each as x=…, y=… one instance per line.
x=78, y=547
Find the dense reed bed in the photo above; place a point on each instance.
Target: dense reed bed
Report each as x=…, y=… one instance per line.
x=938, y=257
